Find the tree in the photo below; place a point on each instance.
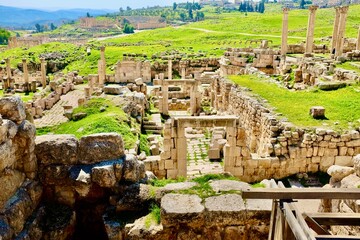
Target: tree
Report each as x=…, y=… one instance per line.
x=128, y=28
x=182, y=16
x=199, y=16
x=4, y=36
x=38, y=28
x=174, y=6
x=52, y=27
x=302, y=4
x=191, y=16
x=128, y=8
x=88, y=15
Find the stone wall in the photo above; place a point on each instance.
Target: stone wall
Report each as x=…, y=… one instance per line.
x=21, y=192
x=277, y=148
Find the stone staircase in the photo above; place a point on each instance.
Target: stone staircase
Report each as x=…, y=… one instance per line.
x=153, y=125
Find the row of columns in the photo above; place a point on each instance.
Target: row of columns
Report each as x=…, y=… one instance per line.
x=337, y=44
x=9, y=79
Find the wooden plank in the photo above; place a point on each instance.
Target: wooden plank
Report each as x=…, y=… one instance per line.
x=315, y=226
x=293, y=223
x=273, y=220
x=337, y=237
x=302, y=222
x=301, y=193
x=346, y=219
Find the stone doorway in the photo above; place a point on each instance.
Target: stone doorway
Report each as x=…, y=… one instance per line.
x=175, y=152
x=202, y=156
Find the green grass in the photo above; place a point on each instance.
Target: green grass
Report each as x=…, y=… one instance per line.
x=24, y=96
x=258, y=185
x=295, y=105
x=114, y=119
x=154, y=217
x=163, y=182
x=144, y=144
x=349, y=66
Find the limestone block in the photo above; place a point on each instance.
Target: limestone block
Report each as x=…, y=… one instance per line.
x=56, y=149
x=113, y=89
x=12, y=108
x=181, y=209
x=356, y=162
x=317, y=112
x=133, y=170
x=228, y=185
x=353, y=143
x=337, y=172
x=231, y=213
x=8, y=130
x=100, y=147
x=7, y=155
x=326, y=162
x=214, y=154
x=344, y=161
x=104, y=176
x=169, y=164
x=10, y=181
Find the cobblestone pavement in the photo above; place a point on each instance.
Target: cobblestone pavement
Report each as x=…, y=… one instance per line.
x=54, y=116
x=198, y=162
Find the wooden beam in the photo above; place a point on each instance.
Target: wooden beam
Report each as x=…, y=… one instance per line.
x=346, y=219
x=296, y=228
x=301, y=193
x=315, y=226
x=336, y=237
x=301, y=221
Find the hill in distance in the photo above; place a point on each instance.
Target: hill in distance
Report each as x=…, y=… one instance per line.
x=27, y=18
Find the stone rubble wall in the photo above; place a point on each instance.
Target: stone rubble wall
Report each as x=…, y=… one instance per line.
x=278, y=149
x=20, y=192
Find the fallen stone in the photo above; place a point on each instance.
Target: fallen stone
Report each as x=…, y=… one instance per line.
x=173, y=187
x=12, y=108
x=228, y=185
x=337, y=172
x=133, y=170
x=137, y=197
x=104, y=176
x=113, y=90
x=317, y=112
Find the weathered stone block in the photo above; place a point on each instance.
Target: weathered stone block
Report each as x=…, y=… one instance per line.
x=337, y=172
x=182, y=209
x=10, y=181
x=317, y=112
x=56, y=149
x=100, y=147
x=104, y=176
x=12, y=108
x=343, y=161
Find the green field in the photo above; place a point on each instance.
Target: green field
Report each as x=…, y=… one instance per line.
x=342, y=106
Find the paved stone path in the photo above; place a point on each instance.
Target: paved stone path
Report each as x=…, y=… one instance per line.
x=55, y=116
x=198, y=162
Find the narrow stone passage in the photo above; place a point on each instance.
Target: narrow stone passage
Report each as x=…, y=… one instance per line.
x=198, y=162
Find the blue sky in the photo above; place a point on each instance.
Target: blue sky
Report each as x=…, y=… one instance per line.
x=93, y=4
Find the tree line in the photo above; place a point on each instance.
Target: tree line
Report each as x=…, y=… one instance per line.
x=250, y=6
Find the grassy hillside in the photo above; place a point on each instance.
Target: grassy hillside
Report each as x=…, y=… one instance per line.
x=210, y=37
x=295, y=105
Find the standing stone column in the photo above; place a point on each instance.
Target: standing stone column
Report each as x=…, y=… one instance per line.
x=165, y=95
x=170, y=69
x=336, y=29
x=43, y=72
x=341, y=32
x=26, y=75
x=102, y=67
x=8, y=73
x=284, y=34
x=310, y=30
x=358, y=41
x=183, y=73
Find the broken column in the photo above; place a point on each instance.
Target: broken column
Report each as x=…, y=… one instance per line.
x=310, y=30
x=170, y=69
x=284, y=35
x=8, y=82
x=26, y=75
x=358, y=41
x=335, y=30
x=341, y=31
x=43, y=72
x=102, y=67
